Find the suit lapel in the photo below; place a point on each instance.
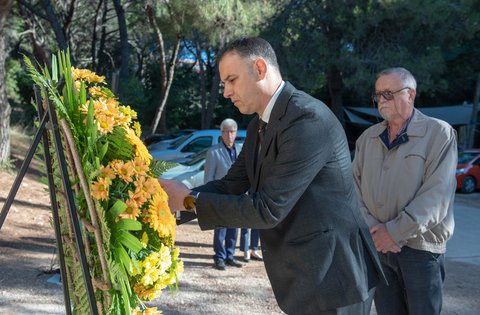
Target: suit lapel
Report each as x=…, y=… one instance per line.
x=278, y=112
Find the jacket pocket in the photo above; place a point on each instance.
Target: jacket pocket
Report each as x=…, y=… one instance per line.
x=310, y=236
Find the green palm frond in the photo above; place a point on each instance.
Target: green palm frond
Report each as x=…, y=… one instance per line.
x=159, y=167
x=118, y=146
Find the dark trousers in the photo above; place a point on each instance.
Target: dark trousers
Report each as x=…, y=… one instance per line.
x=415, y=280
x=224, y=241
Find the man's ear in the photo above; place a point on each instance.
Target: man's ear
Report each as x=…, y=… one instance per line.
x=261, y=68
x=412, y=95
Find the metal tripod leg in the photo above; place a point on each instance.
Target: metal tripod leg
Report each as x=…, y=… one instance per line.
x=53, y=199
x=23, y=170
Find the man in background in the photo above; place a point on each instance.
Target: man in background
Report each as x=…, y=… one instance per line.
x=219, y=159
x=404, y=170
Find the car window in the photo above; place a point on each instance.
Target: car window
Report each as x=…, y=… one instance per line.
x=198, y=144
x=197, y=157
x=465, y=157
x=175, y=144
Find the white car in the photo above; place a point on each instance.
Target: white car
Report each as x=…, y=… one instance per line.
x=192, y=143
x=190, y=173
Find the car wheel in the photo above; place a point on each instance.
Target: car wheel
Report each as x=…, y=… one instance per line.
x=468, y=185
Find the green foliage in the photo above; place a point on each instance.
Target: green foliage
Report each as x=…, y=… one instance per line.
x=159, y=167
x=360, y=38
x=118, y=146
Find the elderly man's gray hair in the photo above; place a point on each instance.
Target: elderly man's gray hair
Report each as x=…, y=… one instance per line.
x=407, y=78
x=228, y=122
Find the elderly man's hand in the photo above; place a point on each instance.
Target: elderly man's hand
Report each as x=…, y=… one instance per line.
x=176, y=192
x=383, y=240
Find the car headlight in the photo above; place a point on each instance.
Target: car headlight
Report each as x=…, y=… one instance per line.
x=460, y=170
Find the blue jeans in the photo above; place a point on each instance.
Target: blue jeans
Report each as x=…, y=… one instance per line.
x=254, y=238
x=415, y=280
x=224, y=242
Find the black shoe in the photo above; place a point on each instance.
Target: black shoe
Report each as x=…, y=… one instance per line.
x=233, y=262
x=220, y=264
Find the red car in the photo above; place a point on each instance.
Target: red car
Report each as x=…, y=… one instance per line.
x=468, y=170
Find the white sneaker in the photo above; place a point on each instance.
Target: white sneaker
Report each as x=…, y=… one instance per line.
x=246, y=256
x=256, y=255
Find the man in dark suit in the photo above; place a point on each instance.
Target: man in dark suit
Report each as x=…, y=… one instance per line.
x=294, y=182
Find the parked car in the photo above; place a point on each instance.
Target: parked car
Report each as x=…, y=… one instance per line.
x=468, y=170
x=165, y=144
x=193, y=143
x=190, y=172
x=166, y=138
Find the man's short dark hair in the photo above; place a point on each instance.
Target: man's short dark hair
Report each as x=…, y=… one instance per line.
x=251, y=47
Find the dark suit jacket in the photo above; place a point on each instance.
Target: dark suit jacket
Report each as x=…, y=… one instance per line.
x=318, y=252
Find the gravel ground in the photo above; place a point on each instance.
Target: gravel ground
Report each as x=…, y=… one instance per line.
x=27, y=249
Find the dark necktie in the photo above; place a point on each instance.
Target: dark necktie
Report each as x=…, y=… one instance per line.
x=261, y=133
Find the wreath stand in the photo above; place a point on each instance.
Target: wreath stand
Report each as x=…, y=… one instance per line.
x=50, y=121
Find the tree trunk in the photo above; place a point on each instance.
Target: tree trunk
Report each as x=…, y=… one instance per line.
x=93, y=50
x=124, y=46
x=165, y=91
x=39, y=52
x=57, y=28
x=165, y=79
x=213, y=99
x=5, y=108
x=335, y=89
x=202, y=81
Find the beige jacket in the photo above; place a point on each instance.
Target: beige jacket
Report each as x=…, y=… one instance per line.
x=411, y=187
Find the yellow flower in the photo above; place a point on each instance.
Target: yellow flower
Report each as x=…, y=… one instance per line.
x=97, y=92
x=137, y=128
x=146, y=294
x=84, y=109
x=139, y=166
x=175, y=254
x=179, y=268
x=100, y=188
x=105, y=123
x=152, y=186
x=159, y=216
x=144, y=239
x=140, y=197
x=132, y=210
x=127, y=111
x=124, y=171
x=140, y=188
x=112, y=107
x=78, y=85
x=86, y=75
x=147, y=311
x=107, y=171
x=141, y=150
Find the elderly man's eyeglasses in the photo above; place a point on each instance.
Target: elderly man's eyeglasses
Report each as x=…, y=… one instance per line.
x=386, y=95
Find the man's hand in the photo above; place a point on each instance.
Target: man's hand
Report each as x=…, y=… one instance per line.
x=176, y=192
x=383, y=240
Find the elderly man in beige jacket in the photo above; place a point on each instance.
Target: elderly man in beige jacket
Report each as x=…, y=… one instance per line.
x=404, y=171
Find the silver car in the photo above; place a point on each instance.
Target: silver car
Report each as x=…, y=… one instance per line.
x=190, y=172
x=191, y=144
